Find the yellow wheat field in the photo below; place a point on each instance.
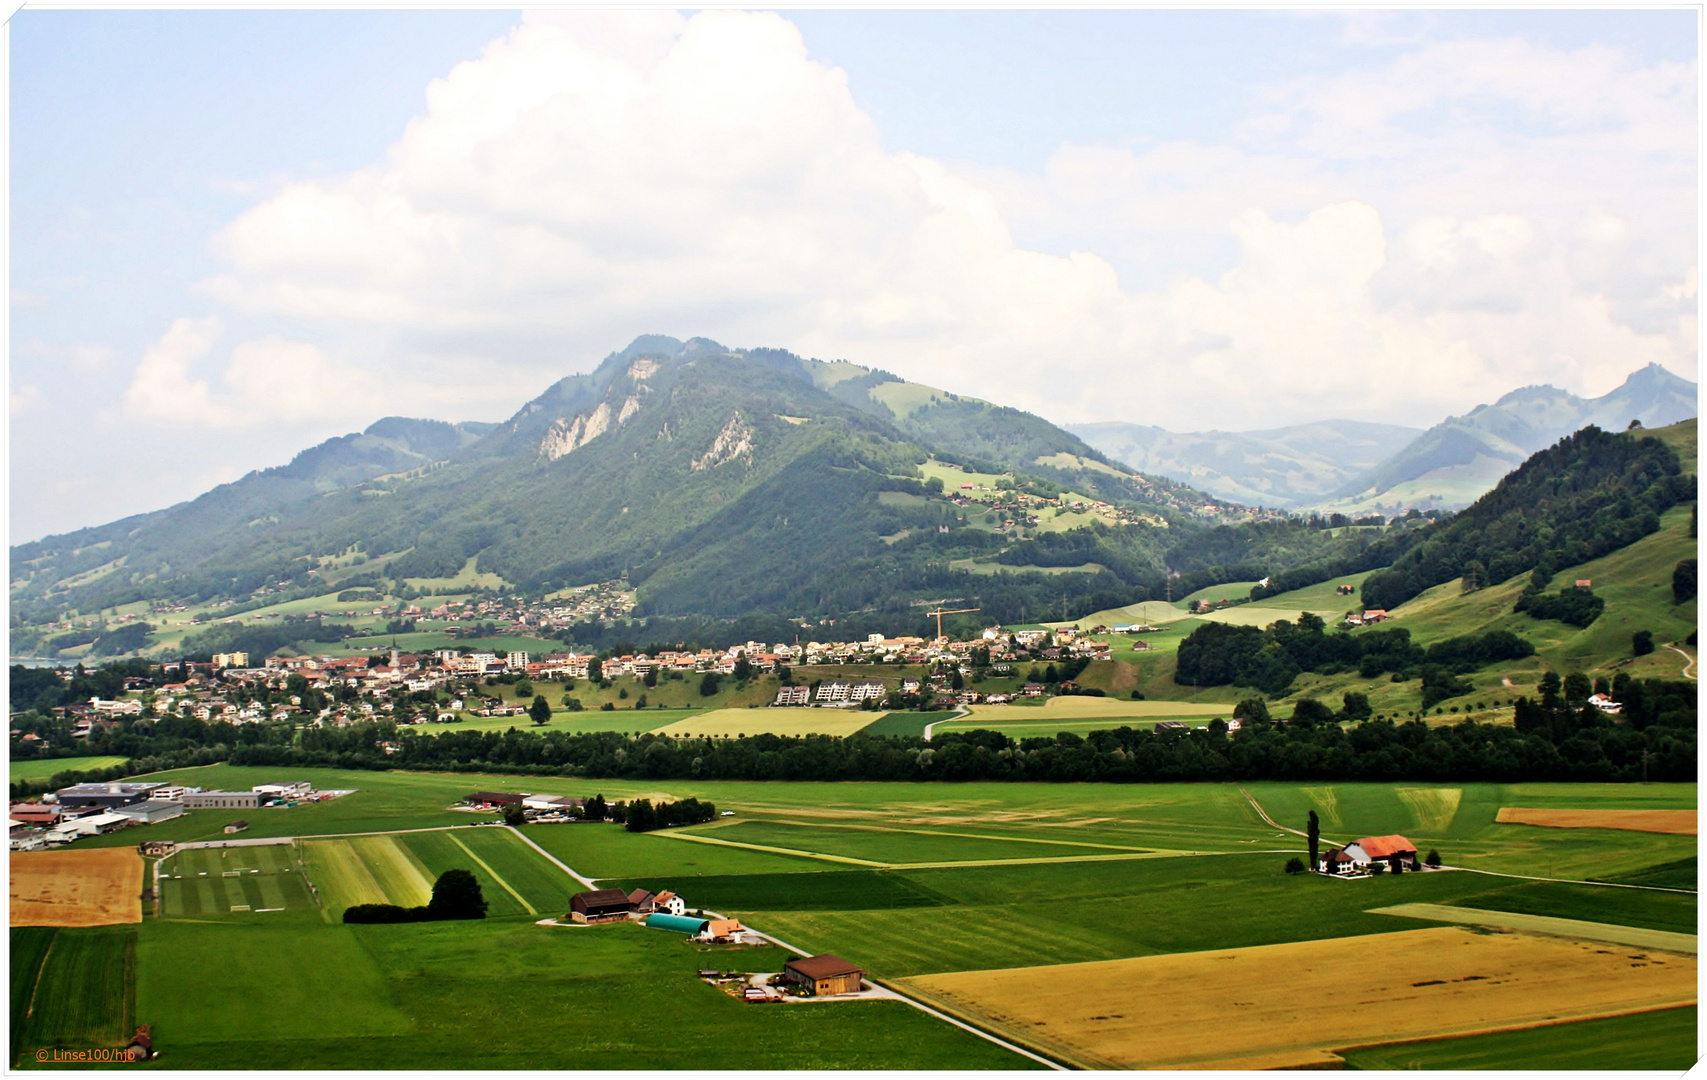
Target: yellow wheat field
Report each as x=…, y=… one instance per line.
x=1281, y=1006
x=1075, y=707
x=98, y=887
x=1680, y=822
x=729, y=723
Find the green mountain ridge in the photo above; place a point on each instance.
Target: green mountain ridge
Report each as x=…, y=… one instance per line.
x=717, y=481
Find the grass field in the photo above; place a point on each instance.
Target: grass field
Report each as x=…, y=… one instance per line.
x=1288, y=1006
x=242, y=883
x=83, y=992
x=400, y=869
x=440, y=995
x=732, y=723
x=1662, y=1039
x=904, y=723
x=1577, y=929
x=42, y=768
x=90, y=887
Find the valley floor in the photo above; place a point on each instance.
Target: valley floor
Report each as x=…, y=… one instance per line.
x=956, y=893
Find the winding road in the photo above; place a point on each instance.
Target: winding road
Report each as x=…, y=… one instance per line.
x=1690, y=662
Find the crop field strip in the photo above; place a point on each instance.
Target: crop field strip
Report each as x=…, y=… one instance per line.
x=1574, y=929
x=84, y=991
x=1660, y=1039
x=1291, y=1005
x=86, y=887
x=1677, y=822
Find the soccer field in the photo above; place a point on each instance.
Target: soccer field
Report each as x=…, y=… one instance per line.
x=252, y=881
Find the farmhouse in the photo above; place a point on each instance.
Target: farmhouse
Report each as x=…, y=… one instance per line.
x=642, y=901
x=1395, y=850
x=825, y=974
x=599, y=905
x=670, y=902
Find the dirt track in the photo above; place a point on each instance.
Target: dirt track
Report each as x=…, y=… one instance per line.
x=98, y=887
x=1677, y=822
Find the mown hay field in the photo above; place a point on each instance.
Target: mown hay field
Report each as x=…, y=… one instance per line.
x=96, y=887
x=1676, y=822
x=400, y=868
x=1291, y=1005
x=732, y=723
x=1662, y=1039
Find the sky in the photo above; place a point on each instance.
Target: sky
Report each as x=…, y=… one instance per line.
x=234, y=234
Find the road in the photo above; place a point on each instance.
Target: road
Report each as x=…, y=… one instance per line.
x=1690, y=662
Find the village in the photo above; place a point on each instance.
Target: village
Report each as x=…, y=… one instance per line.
x=445, y=684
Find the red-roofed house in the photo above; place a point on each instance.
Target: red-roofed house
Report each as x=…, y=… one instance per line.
x=1395, y=850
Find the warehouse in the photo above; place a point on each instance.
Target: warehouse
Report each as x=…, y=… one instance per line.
x=151, y=811
x=104, y=795
x=826, y=974
x=223, y=800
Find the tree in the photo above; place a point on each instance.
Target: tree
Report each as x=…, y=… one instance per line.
x=1254, y=710
x=1683, y=580
x=652, y=675
x=743, y=669
x=456, y=895
x=1313, y=831
x=514, y=816
x=1577, y=688
x=1433, y=858
x=595, y=670
x=1295, y=865
x=540, y=710
x=594, y=808
x=1356, y=707
x=708, y=684
x=524, y=689
x=1641, y=643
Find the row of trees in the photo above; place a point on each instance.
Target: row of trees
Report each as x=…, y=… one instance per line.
x=1219, y=654
x=456, y=895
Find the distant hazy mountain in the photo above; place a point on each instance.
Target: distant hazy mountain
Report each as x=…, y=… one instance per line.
x=1281, y=467
x=1455, y=462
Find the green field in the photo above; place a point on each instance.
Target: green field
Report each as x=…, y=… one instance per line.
x=42, y=768
x=1664, y=1039
x=83, y=993
x=986, y=876
x=242, y=883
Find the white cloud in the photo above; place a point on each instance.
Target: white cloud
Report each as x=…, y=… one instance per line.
x=26, y=399
x=1395, y=242
x=162, y=388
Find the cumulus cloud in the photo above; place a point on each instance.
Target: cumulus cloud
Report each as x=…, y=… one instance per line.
x=269, y=381
x=1395, y=242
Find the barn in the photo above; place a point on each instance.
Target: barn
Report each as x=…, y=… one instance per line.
x=1395, y=850
x=825, y=974
x=599, y=905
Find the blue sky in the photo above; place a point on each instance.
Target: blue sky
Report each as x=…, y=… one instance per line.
x=228, y=242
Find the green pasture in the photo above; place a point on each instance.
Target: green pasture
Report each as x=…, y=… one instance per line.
x=627, y=720
x=1659, y=1040
x=82, y=994
x=910, y=724
x=447, y=995
x=42, y=768
x=29, y=945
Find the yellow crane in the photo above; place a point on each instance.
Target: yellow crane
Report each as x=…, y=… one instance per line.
x=939, y=613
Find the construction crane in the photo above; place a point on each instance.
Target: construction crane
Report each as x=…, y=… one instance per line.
x=939, y=613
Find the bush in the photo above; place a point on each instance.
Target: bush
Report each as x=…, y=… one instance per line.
x=1377, y=868
x=1641, y=643
x=1433, y=858
x=607, y=707
x=383, y=913
x=1295, y=865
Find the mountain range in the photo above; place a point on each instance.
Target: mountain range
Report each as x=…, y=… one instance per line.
x=717, y=481
x=1357, y=468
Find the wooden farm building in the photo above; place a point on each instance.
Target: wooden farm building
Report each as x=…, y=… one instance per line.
x=826, y=974
x=600, y=905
